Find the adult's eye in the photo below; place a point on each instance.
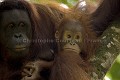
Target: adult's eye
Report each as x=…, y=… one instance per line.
x=22, y=24
x=11, y=26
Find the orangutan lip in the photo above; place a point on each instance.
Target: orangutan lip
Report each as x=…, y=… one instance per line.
x=20, y=49
x=70, y=49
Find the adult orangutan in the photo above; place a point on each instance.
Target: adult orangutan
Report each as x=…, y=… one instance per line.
x=22, y=28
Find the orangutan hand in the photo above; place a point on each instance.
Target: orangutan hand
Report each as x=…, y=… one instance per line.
x=32, y=70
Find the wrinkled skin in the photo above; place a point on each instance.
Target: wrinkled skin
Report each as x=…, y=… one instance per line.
x=15, y=28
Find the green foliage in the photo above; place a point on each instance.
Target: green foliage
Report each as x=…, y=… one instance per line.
x=114, y=72
x=70, y=3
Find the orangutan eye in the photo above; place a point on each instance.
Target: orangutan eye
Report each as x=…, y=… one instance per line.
x=68, y=36
x=78, y=37
x=11, y=26
x=21, y=24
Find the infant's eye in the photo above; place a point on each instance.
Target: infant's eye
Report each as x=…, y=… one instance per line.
x=77, y=37
x=68, y=36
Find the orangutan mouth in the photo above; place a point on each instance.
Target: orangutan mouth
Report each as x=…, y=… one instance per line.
x=20, y=47
x=71, y=49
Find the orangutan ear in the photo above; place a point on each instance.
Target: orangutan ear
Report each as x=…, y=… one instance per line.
x=57, y=34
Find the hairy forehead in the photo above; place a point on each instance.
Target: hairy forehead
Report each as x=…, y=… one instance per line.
x=14, y=15
x=72, y=25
